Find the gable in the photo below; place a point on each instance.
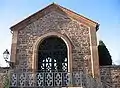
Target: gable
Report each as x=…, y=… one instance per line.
x=50, y=8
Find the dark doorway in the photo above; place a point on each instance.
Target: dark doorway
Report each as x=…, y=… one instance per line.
x=52, y=55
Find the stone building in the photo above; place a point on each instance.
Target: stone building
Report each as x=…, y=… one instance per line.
x=56, y=47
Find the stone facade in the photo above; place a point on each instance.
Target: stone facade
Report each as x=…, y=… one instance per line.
x=79, y=33
x=61, y=24
x=110, y=75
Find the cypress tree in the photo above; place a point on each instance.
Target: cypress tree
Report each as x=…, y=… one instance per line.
x=104, y=55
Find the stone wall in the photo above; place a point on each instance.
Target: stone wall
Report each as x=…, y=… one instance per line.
x=111, y=75
x=76, y=32
x=79, y=30
x=3, y=73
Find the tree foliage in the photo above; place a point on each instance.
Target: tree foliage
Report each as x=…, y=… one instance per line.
x=104, y=55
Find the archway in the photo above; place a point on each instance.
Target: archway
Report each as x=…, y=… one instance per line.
x=52, y=55
x=41, y=39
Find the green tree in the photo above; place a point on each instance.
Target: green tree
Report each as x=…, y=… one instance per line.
x=104, y=55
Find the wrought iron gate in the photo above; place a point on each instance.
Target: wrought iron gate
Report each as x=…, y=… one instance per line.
x=52, y=55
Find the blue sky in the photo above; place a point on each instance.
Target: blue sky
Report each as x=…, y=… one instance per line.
x=105, y=12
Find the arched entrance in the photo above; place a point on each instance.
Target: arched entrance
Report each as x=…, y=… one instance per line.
x=42, y=38
x=52, y=55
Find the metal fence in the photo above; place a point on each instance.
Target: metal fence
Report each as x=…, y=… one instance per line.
x=52, y=79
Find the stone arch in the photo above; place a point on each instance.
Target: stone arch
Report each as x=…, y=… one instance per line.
x=41, y=38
